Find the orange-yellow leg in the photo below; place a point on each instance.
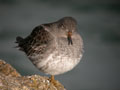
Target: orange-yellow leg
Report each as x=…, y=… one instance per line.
x=53, y=81
x=52, y=78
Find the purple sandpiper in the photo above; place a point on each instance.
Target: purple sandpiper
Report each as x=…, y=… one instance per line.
x=54, y=48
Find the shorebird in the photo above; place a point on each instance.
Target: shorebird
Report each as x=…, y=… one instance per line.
x=54, y=48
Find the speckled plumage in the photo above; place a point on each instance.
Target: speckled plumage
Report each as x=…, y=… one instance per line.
x=50, y=50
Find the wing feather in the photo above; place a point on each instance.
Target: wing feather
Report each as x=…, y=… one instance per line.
x=36, y=42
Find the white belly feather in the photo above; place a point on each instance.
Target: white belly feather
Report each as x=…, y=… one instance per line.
x=59, y=60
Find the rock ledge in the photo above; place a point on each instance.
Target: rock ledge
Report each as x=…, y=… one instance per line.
x=10, y=79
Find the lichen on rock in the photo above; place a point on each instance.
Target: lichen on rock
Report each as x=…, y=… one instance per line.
x=10, y=79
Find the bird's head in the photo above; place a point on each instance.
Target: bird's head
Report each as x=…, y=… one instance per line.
x=67, y=26
x=64, y=28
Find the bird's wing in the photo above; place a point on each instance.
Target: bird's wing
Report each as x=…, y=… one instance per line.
x=37, y=41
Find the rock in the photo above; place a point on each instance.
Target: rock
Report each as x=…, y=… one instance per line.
x=10, y=79
x=8, y=70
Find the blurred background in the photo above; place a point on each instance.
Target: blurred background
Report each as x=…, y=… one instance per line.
x=98, y=24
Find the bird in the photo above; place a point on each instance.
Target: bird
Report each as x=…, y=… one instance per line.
x=54, y=48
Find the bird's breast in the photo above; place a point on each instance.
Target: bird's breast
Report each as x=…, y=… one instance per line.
x=60, y=57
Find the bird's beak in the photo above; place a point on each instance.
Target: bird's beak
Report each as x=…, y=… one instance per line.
x=69, y=35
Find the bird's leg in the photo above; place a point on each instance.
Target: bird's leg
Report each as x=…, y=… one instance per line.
x=52, y=78
x=53, y=81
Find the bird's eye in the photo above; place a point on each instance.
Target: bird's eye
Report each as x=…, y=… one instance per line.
x=67, y=30
x=62, y=26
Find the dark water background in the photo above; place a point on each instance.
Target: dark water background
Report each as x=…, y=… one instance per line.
x=99, y=25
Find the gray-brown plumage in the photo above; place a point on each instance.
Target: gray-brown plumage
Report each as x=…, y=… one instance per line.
x=54, y=48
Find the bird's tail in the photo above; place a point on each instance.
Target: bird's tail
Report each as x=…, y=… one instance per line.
x=20, y=41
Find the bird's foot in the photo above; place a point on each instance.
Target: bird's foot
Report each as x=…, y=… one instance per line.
x=54, y=82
